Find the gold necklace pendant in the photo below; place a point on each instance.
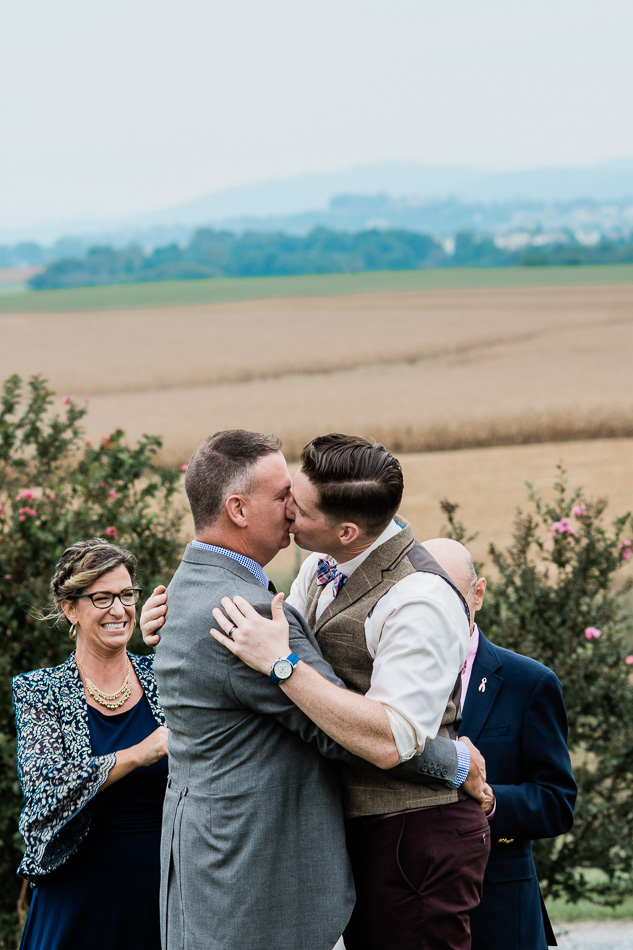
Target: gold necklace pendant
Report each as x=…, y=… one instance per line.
x=108, y=700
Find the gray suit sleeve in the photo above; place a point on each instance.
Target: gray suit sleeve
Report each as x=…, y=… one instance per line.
x=436, y=766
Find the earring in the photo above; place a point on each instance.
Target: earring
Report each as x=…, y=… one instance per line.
x=72, y=633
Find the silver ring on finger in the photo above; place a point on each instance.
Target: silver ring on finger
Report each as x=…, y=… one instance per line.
x=230, y=632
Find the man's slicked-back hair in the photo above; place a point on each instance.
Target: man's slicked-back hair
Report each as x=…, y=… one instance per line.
x=221, y=466
x=356, y=480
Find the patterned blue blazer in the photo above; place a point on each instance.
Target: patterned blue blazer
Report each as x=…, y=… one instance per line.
x=58, y=773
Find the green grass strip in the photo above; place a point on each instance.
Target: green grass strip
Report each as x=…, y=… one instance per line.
x=171, y=293
x=561, y=911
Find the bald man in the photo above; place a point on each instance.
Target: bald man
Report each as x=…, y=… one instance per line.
x=512, y=709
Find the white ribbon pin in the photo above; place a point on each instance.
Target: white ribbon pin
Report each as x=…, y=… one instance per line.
x=482, y=685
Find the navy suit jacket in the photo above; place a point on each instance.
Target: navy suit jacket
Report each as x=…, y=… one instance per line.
x=514, y=713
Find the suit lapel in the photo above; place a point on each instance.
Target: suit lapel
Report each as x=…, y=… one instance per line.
x=356, y=587
x=370, y=575
x=479, y=702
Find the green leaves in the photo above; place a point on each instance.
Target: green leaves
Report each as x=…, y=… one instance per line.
x=561, y=593
x=56, y=488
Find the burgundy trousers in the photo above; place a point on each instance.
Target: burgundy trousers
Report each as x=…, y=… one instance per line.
x=418, y=874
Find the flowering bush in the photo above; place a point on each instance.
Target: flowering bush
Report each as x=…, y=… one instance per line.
x=54, y=489
x=556, y=595
x=592, y=633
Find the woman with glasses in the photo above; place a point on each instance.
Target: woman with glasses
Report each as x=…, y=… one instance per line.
x=92, y=749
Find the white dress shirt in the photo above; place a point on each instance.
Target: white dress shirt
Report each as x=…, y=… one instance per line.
x=417, y=635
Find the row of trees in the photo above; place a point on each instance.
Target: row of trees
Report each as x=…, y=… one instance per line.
x=256, y=253
x=555, y=594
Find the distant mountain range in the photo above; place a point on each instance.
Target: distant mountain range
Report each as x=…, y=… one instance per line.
x=604, y=182
x=400, y=191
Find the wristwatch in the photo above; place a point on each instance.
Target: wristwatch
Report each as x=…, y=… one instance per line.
x=282, y=668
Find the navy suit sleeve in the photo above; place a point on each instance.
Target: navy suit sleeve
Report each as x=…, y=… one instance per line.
x=256, y=691
x=541, y=804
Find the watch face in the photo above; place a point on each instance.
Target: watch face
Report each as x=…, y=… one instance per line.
x=282, y=669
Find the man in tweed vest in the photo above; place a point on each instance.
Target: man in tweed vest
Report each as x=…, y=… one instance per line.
x=395, y=629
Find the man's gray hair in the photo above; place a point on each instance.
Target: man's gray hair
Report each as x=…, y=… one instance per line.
x=222, y=466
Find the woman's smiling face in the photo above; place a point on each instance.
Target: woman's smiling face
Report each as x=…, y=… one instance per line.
x=104, y=631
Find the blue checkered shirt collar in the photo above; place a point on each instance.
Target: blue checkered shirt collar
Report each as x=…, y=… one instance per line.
x=246, y=562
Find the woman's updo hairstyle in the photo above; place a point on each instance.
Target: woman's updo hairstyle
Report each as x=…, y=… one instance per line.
x=81, y=565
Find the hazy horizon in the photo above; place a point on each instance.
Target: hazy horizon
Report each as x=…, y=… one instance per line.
x=312, y=192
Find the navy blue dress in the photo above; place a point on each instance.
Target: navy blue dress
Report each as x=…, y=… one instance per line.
x=106, y=894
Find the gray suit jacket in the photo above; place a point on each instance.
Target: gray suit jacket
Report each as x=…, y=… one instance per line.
x=253, y=844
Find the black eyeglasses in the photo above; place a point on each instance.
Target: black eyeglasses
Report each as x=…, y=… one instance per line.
x=105, y=598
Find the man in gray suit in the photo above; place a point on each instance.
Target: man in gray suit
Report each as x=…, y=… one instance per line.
x=253, y=846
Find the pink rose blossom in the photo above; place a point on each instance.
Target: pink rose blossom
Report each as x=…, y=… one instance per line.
x=579, y=510
x=51, y=496
x=23, y=512
x=88, y=441
x=624, y=549
x=25, y=494
x=68, y=400
x=183, y=468
x=112, y=493
x=563, y=526
x=8, y=577
x=628, y=660
x=111, y=532
x=592, y=633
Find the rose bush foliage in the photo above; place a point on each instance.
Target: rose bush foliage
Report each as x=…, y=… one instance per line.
x=559, y=594
x=56, y=487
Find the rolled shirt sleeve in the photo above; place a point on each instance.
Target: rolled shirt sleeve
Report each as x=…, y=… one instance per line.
x=418, y=635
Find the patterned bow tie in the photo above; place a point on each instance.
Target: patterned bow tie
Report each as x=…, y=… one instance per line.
x=326, y=572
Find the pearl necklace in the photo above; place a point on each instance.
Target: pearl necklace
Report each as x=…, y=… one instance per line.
x=109, y=700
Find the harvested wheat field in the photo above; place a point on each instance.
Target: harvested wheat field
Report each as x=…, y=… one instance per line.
x=430, y=369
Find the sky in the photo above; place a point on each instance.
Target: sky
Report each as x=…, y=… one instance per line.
x=118, y=107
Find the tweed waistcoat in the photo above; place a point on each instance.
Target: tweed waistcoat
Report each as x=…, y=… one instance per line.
x=340, y=632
